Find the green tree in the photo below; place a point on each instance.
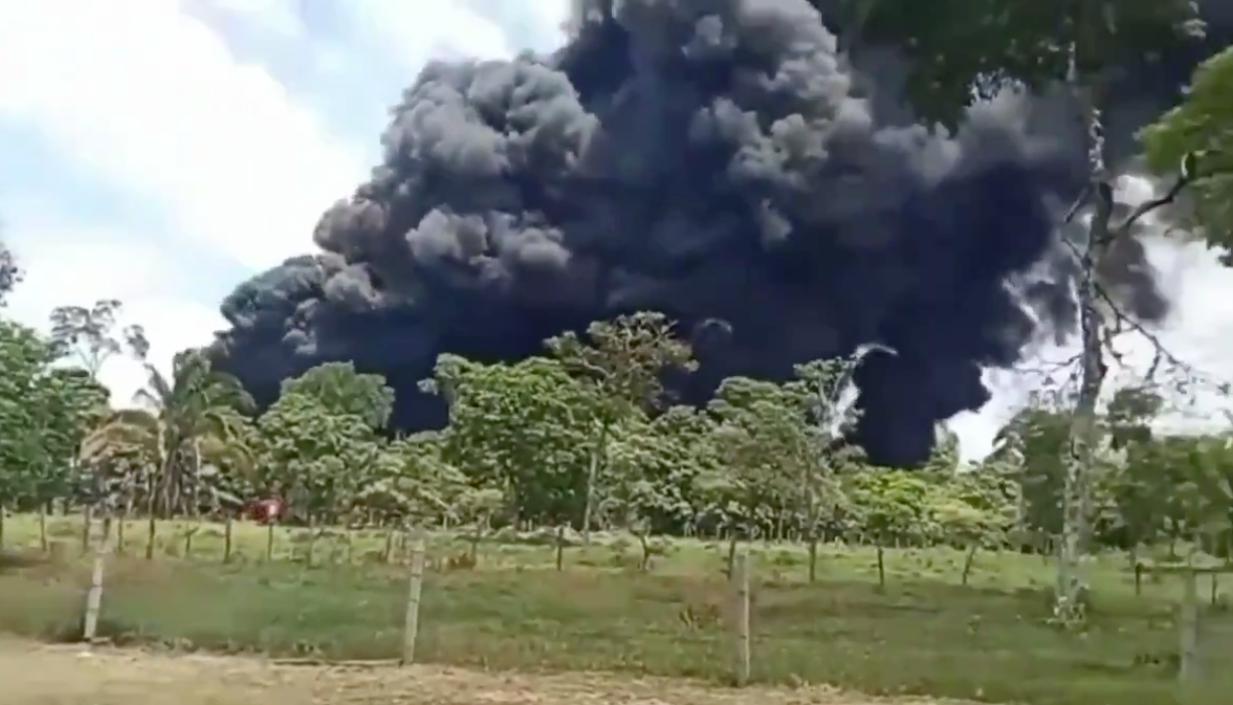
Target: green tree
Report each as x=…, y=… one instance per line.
x=766, y=445
x=893, y=507
x=651, y=467
x=819, y=392
x=44, y=413
x=88, y=334
x=1196, y=495
x=961, y=50
x=344, y=391
x=973, y=510
x=193, y=404
x=521, y=428
x=1194, y=141
x=410, y=483
x=621, y=364
x=1141, y=490
x=315, y=458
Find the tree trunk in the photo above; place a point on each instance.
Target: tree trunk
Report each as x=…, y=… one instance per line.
x=731, y=553
x=269, y=542
x=151, y=533
x=1076, y=498
x=881, y=568
x=312, y=542
x=560, y=548
x=227, y=540
x=476, y=537
x=42, y=527
x=600, y=449
x=646, y=552
x=151, y=500
x=813, y=557
x=967, y=563
x=389, y=547
x=120, y=537
x=2, y=512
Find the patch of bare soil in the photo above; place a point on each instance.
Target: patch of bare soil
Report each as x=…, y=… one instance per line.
x=38, y=674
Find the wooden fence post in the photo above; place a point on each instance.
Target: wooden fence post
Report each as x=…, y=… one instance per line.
x=1189, y=626
x=94, y=598
x=227, y=539
x=412, y=626
x=741, y=582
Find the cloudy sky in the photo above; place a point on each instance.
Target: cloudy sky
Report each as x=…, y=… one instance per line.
x=161, y=151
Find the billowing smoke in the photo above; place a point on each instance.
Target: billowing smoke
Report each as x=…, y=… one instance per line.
x=717, y=160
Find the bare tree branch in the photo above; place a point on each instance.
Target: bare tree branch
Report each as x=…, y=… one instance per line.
x=1148, y=206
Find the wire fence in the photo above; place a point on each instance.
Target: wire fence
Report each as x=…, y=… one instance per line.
x=378, y=595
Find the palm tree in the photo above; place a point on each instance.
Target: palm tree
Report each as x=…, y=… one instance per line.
x=193, y=416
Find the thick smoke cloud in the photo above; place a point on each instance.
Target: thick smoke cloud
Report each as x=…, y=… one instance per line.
x=718, y=160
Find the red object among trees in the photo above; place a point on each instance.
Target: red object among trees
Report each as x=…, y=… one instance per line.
x=264, y=511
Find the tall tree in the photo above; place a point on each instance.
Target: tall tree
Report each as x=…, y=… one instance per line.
x=342, y=390
x=410, y=483
x=518, y=427
x=894, y=506
x=194, y=403
x=821, y=389
x=768, y=446
x=88, y=334
x=622, y=363
x=961, y=50
x=315, y=457
x=44, y=412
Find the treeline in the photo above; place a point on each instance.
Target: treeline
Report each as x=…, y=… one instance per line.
x=582, y=437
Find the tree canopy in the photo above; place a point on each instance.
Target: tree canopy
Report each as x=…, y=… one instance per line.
x=1194, y=141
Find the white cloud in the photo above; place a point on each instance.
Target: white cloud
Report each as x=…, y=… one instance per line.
x=79, y=264
x=149, y=99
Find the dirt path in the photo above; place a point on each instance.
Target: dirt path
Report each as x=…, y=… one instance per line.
x=37, y=674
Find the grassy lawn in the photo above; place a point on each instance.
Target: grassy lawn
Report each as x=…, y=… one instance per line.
x=924, y=635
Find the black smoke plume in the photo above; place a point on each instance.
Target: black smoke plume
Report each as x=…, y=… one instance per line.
x=717, y=160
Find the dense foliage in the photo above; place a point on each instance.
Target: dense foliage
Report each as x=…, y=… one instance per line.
x=523, y=447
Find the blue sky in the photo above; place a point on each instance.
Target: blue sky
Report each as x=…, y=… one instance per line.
x=161, y=151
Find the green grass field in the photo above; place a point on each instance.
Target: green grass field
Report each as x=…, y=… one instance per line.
x=924, y=635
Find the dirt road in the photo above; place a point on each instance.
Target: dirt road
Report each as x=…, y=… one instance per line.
x=38, y=674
